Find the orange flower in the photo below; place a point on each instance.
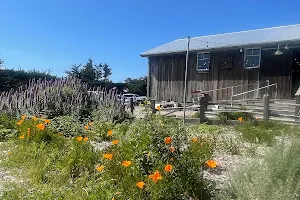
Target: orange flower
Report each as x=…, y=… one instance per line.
x=91, y=123
x=156, y=176
x=22, y=136
x=108, y=156
x=19, y=122
x=109, y=132
x=172, y=149
x=126, y=163
x=115, y=142
x=80, y=138
x=34, y=118
x=158, y=108
x=85, y=139
x=23, y=117
x=168, y=140
x=140, y=184
x=41, y=126
x=168, y=168
x=42, y=117
x=9, y=153
x=100, y=168
x=240, y=119
x=28, y=131
x=86, y=127
x=211, y=163
x=47, y=121
x=195, y=140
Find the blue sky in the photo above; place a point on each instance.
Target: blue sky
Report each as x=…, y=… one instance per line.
x=54, y=34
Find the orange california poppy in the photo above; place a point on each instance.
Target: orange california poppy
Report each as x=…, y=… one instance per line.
x=168, y=140
x=85, y=139
x=91, y=123
x=240, y=119
x=195, y=140
x=22, y=136
x=86, y=127
x=80, y=138
x=19, y=122
x=23, y=117
x=211, y=163
x=109, y=132
x=172, y=149
x=108, y=156
x=126, y=163
x=28, y=131
x=140, y=184
x=47, y=121
x=115, y=142
x=100, y=168
x=168, y=168
x=156, y=176
x=34, y=118
x=158, y=108
x=41, y=126
x=9, y=153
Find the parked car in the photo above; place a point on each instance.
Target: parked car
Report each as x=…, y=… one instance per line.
x=129, y=96
x=140, y=98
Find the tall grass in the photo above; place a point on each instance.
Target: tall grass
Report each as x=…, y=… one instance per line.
x=275, y=177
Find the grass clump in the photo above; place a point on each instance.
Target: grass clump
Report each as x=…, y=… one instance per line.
x=276, y=177
x=265, y=131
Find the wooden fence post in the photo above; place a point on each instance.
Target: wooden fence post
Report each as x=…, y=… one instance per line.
x=266, y=102
x=297, y=109
x=153, y=106
x=202, y=109
x=131, y=105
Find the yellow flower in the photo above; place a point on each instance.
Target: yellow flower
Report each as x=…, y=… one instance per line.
x=195, y=140
x=9, y=153
x=47, y=121
x=240, y=119
x=156, y=176
x=140, y=184
x=86, y=127
x=80, y=138
x=168, y=168
x=41, y=126
x=85, y=139
x=108, y=156
x=100, y=168
x=22, y=136
x=115, y=142
x=211, y=163
x=126, y=163
x=23, y=117
x=34, y=118
x=168, y=140
x=91, y=123
x=19, y=122
x=109, y=132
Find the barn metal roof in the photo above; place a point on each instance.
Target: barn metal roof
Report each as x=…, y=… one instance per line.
x=284, y=34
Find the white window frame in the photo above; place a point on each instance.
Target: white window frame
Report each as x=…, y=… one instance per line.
x=203, y=70
x=245, y=56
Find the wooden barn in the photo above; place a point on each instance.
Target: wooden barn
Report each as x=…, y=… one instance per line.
x=226, y=65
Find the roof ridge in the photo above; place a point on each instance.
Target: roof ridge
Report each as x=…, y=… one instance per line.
x=253, y=30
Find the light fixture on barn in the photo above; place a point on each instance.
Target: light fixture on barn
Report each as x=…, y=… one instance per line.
x=241, y=50
x=278, y=52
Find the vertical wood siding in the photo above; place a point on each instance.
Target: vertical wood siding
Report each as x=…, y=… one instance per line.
x=167, y=78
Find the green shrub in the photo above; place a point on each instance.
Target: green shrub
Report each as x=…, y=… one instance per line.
x=246, y=116
x=276, y=177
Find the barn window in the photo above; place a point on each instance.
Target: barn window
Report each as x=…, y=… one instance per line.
x=203, y=60
x=252, y=58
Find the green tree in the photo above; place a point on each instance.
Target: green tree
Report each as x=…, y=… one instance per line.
x=88, y=71
x=75, y=71
x=106, y=71
x=137, y=86
x=98, y=71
